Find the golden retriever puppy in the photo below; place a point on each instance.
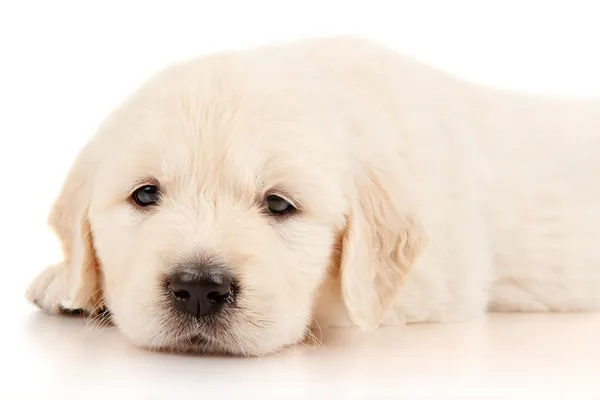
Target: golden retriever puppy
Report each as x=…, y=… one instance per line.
x=235, y=199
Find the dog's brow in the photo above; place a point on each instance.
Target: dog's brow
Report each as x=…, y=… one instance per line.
x=147, y=180
x=278, y=191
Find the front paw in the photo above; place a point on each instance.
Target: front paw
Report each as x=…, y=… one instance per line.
x=49, y=288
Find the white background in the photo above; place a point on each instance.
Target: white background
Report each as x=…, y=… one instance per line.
x=65, y=65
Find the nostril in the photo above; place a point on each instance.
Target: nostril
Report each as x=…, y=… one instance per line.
x=181, y=295
x=218, y=297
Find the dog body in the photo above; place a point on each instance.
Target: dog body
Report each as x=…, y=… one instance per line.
x=504, y=185
x=417, y=197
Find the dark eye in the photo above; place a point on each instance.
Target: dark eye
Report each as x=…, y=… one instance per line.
x=146, y=195
x=278, y=205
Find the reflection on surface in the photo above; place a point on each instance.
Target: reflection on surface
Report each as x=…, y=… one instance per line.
x=504, y=351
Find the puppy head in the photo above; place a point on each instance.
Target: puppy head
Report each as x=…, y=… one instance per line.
x=209, y=209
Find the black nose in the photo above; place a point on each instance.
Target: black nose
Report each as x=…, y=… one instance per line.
x=200, y=295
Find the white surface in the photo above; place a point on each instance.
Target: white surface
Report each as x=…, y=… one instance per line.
x=65, y=65
x=506, y=356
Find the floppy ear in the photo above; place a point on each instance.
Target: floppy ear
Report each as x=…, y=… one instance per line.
x=380, y=243
x=74, y=283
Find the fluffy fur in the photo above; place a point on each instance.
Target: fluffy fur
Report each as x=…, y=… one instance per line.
x=421, y=198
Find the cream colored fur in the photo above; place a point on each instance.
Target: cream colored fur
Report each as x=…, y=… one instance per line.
x=422, y=197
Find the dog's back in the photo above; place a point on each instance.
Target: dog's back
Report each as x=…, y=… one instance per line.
x=507, y=185
x=541, y=202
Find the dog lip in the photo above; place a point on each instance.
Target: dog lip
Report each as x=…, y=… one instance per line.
x=198, y=339
x=195, y=344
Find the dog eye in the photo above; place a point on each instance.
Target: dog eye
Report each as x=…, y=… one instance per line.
x=278, y=205
x=146, y=195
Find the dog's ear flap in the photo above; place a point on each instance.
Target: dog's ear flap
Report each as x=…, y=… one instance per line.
x=380, y=243
x=74, y=283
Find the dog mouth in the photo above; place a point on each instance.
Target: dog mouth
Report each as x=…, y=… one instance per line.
x=198, y=340
x=190, y=335
x=197, y=344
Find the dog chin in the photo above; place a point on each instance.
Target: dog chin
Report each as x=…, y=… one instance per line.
x=202, y=339
x=198, y=344
x=203, y=345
